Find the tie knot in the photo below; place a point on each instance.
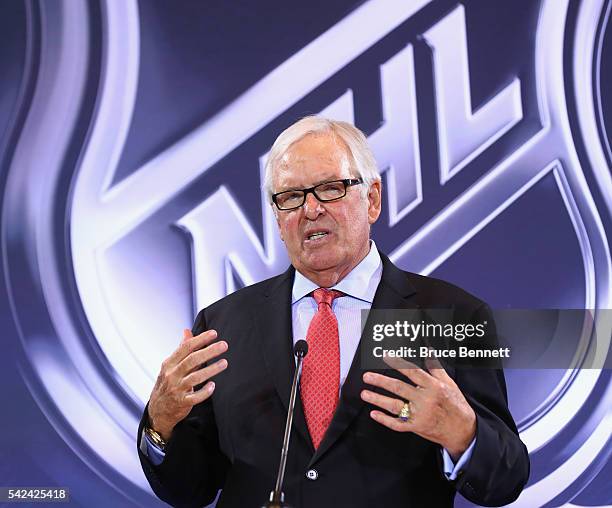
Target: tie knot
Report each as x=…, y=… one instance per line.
x=327, y=296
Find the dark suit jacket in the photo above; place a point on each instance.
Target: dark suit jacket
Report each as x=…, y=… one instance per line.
x=232, y=441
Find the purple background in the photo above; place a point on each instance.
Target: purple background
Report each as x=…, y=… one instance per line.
x=195, y=60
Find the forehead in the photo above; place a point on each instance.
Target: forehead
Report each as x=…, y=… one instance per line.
x=313, y=159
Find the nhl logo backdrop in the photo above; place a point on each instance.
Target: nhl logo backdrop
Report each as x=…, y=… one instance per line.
x=133, y=139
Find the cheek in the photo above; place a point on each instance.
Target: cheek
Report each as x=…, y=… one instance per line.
x=287, y=228
x=355, y=235
x=357, y=222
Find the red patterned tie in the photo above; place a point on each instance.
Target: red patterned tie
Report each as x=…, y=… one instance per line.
x=321, y=370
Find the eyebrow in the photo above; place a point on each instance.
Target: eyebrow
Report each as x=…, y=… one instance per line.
x=325, y=180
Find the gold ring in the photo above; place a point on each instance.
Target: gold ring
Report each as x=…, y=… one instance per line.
x=404, y=414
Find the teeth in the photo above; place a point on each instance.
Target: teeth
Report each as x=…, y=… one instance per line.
x=316, y=235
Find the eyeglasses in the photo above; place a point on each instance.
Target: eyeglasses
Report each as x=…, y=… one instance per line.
x=324, y=192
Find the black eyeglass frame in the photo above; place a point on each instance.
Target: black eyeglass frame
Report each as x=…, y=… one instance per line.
x=347, y=182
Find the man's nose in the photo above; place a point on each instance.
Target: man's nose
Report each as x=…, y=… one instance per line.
x=312, y=206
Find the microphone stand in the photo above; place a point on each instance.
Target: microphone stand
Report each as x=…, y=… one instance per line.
x=277, y=496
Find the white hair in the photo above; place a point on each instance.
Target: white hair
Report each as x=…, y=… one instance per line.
x=362, y=163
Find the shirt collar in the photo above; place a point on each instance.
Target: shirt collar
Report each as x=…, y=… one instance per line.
x=361, y=282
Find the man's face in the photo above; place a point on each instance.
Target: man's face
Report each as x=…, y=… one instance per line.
x=345, y=223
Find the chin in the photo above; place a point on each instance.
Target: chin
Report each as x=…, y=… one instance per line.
x=319, y=261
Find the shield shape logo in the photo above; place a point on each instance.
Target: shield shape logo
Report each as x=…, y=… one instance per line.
x=142, y=254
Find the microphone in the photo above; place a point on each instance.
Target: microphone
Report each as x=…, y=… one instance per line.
x=301, y=348
x=277, y=496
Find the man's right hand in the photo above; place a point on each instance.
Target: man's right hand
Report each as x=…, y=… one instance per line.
x=173, y=395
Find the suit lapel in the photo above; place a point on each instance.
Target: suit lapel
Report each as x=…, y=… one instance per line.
x=393, y=292
x=272, y=316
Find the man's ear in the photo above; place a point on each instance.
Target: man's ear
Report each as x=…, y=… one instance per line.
x=374, y=201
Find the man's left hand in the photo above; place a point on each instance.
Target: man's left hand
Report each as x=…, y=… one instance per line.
x=438, y=410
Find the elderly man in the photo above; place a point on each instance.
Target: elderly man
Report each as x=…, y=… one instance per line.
x=405, y=437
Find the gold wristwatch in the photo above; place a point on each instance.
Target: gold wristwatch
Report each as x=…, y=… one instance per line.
x=155, y=437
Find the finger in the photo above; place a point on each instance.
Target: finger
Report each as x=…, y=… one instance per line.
x=201, y=375
x=188, y=346
x=187, y=334
x=202, y=394
x=197, y=358
x=412, y=371
x=436, y=369
x=393, y=406
x=391, y=422
x=392, y=385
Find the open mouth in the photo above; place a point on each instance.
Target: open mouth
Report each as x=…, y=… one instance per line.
x=315, y=236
